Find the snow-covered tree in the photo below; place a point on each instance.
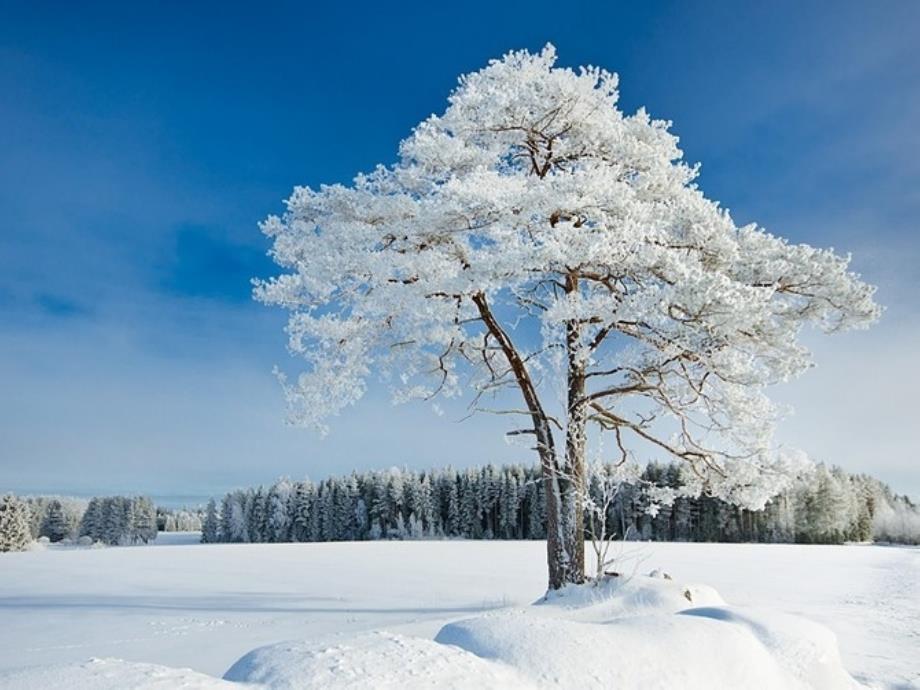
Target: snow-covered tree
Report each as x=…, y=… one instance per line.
x=237, y=518
x=210, y=528
x=278, y=521
x=256, y=516
x=144, y=519
x=14, y=524
x=301, y=507
x=70, y=511
x=93, y=519
x=56, y=526
x=129, y=533
x=534, y=205
x=897, y=520
x=114, y=527
x=227, y=522
x=452, y=513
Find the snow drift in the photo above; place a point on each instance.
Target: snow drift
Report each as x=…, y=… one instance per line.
x=626, y=635
x=642, y=632
x=374, y=660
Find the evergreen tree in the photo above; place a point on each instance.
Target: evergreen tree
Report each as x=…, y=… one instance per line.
x=210, y=530
x=277, y=515
x=255, y=518
x=536, y=520
x=453, y=519
x=226, y=524
x=14, y=524
x=129, y=533
x=92, y=523
x=378, y=506
x=113, y=520
x=304, y=497
x=238, y=520
x=362, y=521
x=144, y=514
x=56, y=526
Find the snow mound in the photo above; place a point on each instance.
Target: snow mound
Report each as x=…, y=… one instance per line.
x=628, y=653
x=624, y=634
x=373, y=660
x=112, y=674
x=806, y=649
x=617, y=597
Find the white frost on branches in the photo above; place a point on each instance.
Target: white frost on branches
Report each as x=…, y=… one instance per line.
x=534, y=194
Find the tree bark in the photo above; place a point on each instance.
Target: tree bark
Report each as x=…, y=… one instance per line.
x=573, y=495
x=575, y=441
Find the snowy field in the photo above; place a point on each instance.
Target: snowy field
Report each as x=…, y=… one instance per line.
x=185, y=605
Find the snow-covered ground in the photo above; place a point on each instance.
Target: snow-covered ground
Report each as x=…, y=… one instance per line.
x=203, y=608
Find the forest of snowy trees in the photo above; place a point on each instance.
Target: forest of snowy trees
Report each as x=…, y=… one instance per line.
x=55, y=517
x=112, y=520
x=828, y=507
x=120, y=520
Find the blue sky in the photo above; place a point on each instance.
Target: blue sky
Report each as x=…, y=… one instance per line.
x=140, y=146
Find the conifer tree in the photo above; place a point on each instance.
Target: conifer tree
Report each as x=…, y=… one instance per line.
x=91, y=524
x=144, y=519
x=14, y=524
x=55, y=526
x=210, y=528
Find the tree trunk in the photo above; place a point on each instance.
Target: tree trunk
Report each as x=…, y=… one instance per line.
x=558, y=555
x=574, y=486
x=562, y=562
x=574, y=469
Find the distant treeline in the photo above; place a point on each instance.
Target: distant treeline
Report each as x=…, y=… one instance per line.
x=829, y=507
x=179, y=519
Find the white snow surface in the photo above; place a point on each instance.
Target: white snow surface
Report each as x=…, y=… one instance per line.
x=114, y=674
x=371, y=660
x=456, y=614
